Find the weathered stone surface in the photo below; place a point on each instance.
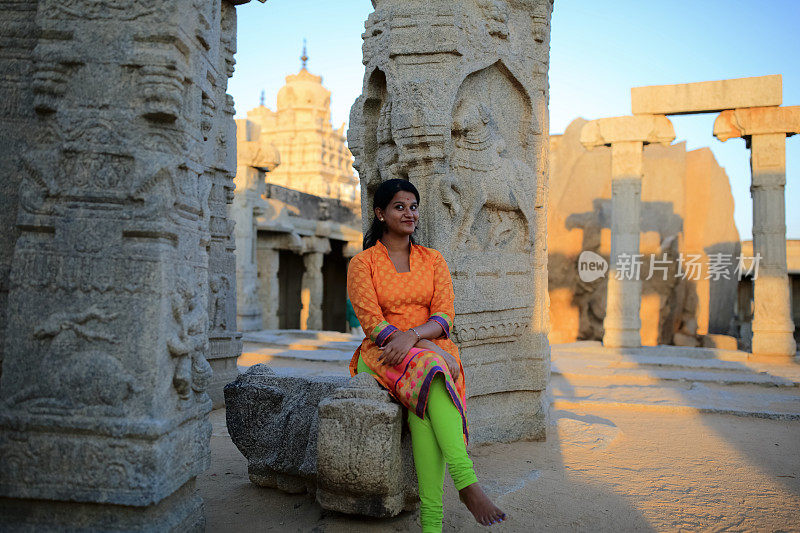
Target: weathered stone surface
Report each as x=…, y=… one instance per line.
x=364, y=463
x=648, y=129
x=273, y=421
x=687, y=208
x=756, y=121
x=455, y=100
x=18, y=128
x=113, y=326
x=707, y=96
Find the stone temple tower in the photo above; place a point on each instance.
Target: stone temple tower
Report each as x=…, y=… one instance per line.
x=314, y=158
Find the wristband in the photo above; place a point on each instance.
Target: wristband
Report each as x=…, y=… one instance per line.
x=419, y=337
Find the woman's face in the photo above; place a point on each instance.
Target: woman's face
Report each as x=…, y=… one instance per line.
x=401, y=215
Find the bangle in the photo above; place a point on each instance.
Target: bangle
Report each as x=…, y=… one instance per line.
x=419, y=338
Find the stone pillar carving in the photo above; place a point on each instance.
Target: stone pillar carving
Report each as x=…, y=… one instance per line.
x=253, y=161
x=626, y=135
x=18, y=128
x=311, y=291
x=122, y=226
x=268, y=260
x=455, y=100
x=765, y=130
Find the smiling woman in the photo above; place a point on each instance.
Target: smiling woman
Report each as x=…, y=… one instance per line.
x=403, y=296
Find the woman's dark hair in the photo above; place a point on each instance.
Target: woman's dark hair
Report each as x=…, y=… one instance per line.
x=383, y=195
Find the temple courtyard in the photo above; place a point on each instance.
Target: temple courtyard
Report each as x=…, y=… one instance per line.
x=648, y=439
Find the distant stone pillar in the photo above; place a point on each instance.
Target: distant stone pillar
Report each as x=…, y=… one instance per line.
x=626, y=135
x=254, y=160
x=455, y=100
x=765, y=130
x=268, y=261
x=122, y=222
x=311, y=292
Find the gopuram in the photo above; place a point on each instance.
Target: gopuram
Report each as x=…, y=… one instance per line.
x=455, y=100
x=118, y=272
x=297, y=208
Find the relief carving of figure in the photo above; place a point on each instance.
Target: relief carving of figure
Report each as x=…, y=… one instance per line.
x=484, y=175
x=77, y=372
x=220, y=287
x=387, y=158
x=188, y=341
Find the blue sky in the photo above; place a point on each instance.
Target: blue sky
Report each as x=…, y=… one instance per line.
x=599, y=50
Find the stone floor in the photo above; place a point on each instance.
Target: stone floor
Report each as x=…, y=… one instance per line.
x=656, y=439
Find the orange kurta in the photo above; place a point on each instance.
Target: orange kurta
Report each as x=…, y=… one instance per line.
x=384, y=301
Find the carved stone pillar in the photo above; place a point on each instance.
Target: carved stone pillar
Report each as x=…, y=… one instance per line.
x=455, y=100
x=254, y=160
x=311, y=292
x=268, y=260
x=18, y=128
x=626, y=135
x=122, y=224
x=765, y=130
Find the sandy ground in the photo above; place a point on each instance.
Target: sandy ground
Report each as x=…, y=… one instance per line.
x=599, y=470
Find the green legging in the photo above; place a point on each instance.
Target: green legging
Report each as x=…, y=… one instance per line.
x=436, y=440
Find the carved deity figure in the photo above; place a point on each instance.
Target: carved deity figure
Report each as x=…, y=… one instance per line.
x=189, y=340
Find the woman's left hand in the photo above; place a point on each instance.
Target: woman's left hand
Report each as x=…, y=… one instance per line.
x=397, y=348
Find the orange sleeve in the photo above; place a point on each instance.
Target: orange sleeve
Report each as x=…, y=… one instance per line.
x=442, y=303
x=361, y=291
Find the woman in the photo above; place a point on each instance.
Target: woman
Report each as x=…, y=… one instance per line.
x=403, y=297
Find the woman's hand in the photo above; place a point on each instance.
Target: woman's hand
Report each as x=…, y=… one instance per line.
x=397, y=348
x=449, y=360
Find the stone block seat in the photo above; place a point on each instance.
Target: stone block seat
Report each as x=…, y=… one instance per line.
x=341, y=440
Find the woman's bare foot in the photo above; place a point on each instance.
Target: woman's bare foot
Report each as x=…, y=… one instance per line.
x=479, y=504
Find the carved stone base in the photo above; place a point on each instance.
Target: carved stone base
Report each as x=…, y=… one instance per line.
x=180, y=512
x=224, y=353
x=774, y=344
x=773, y=330
x=507, y=417
x=621, y=338
x=114, y=461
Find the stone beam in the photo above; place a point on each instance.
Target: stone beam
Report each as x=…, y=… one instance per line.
x=707, y=96
x=756, y=121
x=647, y=129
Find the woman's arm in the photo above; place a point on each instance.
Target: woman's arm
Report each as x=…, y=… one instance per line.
x=361, y=291
x=402, y=341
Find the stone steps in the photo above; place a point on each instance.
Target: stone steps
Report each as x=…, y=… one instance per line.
x=645, y=376
x=667, y=378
